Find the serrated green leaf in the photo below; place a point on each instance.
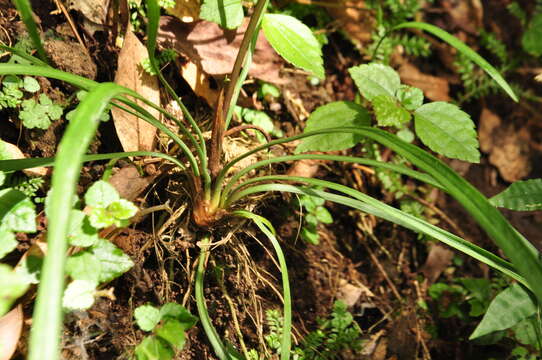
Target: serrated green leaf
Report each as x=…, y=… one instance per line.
x=113, y=261
x=295, y=42
x=508, y=308
x=335, y=114
x=122, y=209
x=410, y=97
x=30, y=84
x=152, y=348
x=178, y=312
x=79, y=295
x=34, y=116
x=29, y=268
x=100, y=218
x=101, y=194
x=8, y=243
x=531, y=37
x=172, y=331
x=521, y=196
x=375, y=79
x=84, y=266
x=147, y=317
x=81, y=232
x=323, y=215
x=226, y=13
x=17, y=211
x=12, y=285
x=447, y=130
x=389, y=112
x=309, y=236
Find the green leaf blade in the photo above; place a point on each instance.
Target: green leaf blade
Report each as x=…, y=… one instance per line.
x=147, y=317
x=521, y=196
x=375, y=79
x=113, y=261
x=226, y=13
x=508, y=308
x=388, y=112
x=447, y=130
x=340, y=113
x=295, y=42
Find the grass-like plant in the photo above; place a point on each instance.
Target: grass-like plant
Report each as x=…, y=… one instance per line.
x=218, y=196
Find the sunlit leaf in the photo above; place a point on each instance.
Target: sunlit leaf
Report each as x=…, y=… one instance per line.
x=295, y=42
x=147, y=317
x=447, y=130
x=226, y=13
x=113, y=261
x=375, y=79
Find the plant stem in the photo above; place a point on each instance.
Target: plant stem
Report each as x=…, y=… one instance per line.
x=225, y=104
x=210, y=331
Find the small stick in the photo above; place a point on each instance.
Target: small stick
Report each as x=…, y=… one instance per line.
x=71, y=23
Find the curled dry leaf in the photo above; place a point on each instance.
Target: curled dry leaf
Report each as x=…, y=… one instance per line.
x=437, y=261
x=186, y=10
x=16, y=153
x=93, y=10
x=207, y=45
x=11, y=326
x=135, y=134
x=434, y=88
x=353, y=17
x=508, y=148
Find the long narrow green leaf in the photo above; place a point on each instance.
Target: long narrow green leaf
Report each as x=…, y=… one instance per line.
x=21, y=164
x=464, y=49
x=25, y=11
x=47, y=319
x=522, y=253
x=87, y=84
x=521, y=196
x=375, y=207
x=350, y=159
x=264, y=225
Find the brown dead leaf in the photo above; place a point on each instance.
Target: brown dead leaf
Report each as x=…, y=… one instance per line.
x=11, y=326
x=355, y=21
x=16, y=153
x=129, y=183
x=438, y=260
x=93, y=10
x=186, y=10
x=508, y=147
x=200, y=82
x=468, y=15
x=207, y=45
x=135, y=134
x=305, y=168
x=434, y=88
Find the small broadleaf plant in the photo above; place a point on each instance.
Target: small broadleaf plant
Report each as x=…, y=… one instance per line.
x=168, y=326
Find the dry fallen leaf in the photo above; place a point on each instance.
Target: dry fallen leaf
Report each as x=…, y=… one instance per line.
x=16, y=153
x=354, y=18
x=11, y=326
x=467, y=15
x=508, y=147
x=199, y=81
x=135, y=134
x=93, y=10
x=438, y=260
x=214, y=50
x=185, y=10
x=434, y=88
x=129, y=183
